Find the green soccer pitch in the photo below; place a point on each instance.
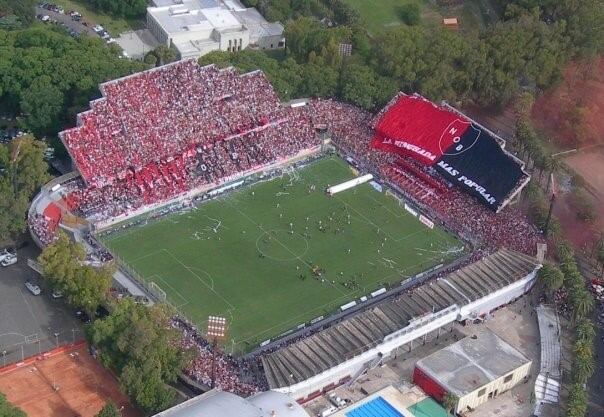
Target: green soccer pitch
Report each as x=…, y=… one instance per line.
x=279, y=253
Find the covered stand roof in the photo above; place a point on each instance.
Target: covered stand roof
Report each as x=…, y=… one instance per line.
x=330, y=347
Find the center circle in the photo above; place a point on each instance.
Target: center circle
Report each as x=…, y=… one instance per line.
x=282, y=245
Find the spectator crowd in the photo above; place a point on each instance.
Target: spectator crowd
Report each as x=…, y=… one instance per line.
x=230, y=374
x=180, y=128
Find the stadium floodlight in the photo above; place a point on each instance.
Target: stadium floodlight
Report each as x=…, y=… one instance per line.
x=216, y=327
x=216, y=330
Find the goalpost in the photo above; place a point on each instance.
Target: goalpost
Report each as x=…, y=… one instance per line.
x=157, y=291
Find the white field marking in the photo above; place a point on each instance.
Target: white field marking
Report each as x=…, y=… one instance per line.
x=397, y=215
x=205, y=272
x=201, y=280
x=186, y=301
x=145, y=256
x=285, y=247
x=277, y=259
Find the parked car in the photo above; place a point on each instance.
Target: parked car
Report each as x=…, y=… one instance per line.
x=5, y=253
x=56, y=294
x=83, y=316
x=10, y=260
x=33, y=288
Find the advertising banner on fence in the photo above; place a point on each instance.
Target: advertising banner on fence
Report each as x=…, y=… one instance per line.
x=410, y=210
x=426, y=221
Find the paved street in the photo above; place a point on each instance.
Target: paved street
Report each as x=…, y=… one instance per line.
x=30, y=324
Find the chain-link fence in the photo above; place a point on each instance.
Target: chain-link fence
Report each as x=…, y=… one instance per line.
x=15, y=347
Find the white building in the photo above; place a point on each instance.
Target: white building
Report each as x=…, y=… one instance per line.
x=196, y=27
x=475, y=369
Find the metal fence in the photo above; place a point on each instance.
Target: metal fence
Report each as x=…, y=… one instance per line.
x=15, y=347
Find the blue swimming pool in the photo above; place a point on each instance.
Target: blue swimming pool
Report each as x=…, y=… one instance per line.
x=378, y=407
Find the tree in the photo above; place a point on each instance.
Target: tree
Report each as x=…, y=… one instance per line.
x=450, y=402
x=42, y=102
x=362, y=86
x=161, y=55
x=318, y=81
x=410, y=14
x=48, y=76
x=22, y=11
x=83, y=286
x=551, y=278
x=22, y=171
x=140, y=346
x=576, y=404
x=581, y=301
x=584, y=330
x=109, y=410
x=8, y=410
x=583, y=367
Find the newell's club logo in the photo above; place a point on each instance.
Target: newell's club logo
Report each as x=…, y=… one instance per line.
x=458, y=138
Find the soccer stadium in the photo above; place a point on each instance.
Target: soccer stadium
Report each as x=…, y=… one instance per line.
x=316, y=229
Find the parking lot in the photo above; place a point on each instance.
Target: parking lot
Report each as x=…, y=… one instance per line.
x=31, y=324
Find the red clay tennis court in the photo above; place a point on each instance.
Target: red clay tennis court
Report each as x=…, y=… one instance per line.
x=65, y=382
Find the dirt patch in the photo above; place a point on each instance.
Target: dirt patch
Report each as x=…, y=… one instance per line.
x=589, y=165
x=69, y=384
x=570, y=113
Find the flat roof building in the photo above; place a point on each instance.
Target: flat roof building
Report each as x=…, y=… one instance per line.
x=196, y=27
x=474, y=369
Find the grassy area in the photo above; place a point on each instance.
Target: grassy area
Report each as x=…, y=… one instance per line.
x=381, y=14
x=253, y=255
x=114, y=25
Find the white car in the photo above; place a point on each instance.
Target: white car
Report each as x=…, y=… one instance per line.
x=4, y=253
x=10, y=260
x=57, y=294
x=33, y=288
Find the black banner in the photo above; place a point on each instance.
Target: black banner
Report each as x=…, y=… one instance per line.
x=476, y=162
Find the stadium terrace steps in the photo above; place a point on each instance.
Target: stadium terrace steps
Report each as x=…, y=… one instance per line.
x=357, y=334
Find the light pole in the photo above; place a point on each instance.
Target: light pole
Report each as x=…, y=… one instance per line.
x=3, y=358
x=216, y=331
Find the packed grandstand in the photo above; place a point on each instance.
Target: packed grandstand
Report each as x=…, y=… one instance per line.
x=177, y=131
